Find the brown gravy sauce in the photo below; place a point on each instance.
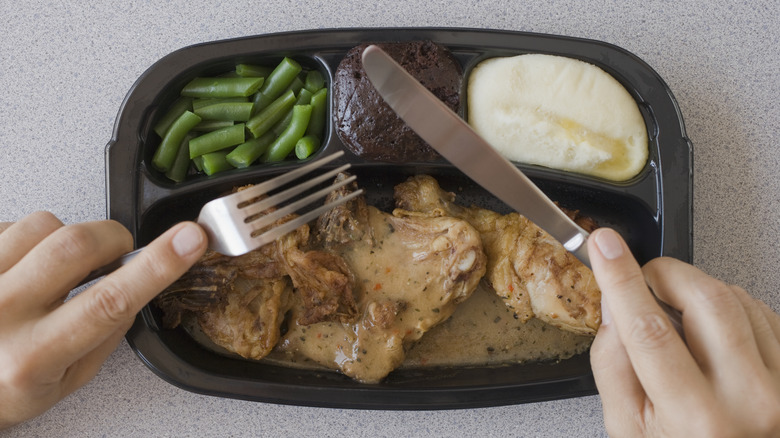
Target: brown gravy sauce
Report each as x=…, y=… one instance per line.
x=481, y=332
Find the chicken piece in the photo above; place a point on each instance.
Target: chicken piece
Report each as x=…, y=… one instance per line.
x=410, y=272
x=528, y=269
x=323, y=282
x=238, y=302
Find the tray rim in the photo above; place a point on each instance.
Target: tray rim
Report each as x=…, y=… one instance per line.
x=140, y=333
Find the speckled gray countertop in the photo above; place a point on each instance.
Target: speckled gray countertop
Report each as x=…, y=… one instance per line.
x=66, y=67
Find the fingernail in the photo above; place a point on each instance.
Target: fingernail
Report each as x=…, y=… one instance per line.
x=606, y=317
x=187, y=240
x=609, y=244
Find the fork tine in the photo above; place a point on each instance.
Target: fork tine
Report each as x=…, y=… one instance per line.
x=266, y=186
x=268, y=219
x=277, y=232
x=264, y=204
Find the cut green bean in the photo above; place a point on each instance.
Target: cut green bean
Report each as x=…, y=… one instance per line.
x=178, y=171
x=282, y=76
x=233, y=120
x=177, y=108
x=229, y=74
x=268, y=116
x=217, y=140
x=246, y=153
x=197, y=161
x=283, y=145
x=215, y=162
x=296, y=86
x=253, y=71
x=304, y=98
x=165, y=154
x=212, y=125
x=221, y=87
x=235, y=111
x=314, y=81
x=307, y=145
x=319, y=103
x=200, y=103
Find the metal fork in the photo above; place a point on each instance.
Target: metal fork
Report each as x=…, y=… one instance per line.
x=235, y=224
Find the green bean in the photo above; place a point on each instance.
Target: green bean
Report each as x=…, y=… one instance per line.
x=319, y=103
x=282, y=76
x=197, y=161
x=221, y=87
x=304, y=98
x=260, y=112
x=200, y=103
x=177, y=108
x=253, y=71
x=165, y=154
x=268, y=116
x=212, y=125
x=283, y=145
x=235, y=111
x=181, y=164
x=246, y=153
x=307, y=145
x=296, y=86
x=314, y=81
x=217, y=140
x=214, y=162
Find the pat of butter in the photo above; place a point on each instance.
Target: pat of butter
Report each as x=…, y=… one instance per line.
x=558, y=112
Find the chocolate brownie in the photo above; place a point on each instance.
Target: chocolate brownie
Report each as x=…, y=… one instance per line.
x=367, y=125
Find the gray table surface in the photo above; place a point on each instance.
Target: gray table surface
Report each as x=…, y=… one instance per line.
x=65, y=69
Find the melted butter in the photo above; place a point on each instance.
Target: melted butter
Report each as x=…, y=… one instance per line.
x=614, y=148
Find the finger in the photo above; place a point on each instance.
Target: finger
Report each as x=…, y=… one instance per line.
x=83, y=370
x=4, y=226
x=764, y=334
x=63, y=258
x=772, y=317
x=17, y=239
x=659, y=357
x=622, y=395
x=98, y=311
x=717, y=328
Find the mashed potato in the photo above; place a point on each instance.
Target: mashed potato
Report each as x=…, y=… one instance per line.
x=558, y=112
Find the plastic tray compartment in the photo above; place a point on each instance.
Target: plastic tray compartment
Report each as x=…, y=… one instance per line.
x=653, y=211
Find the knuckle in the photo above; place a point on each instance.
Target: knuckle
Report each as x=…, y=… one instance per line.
x=715, y=294
x=110, y=303
x=42, y=222
x=44, y=218
x=651, y=331
x=659, y=265
x=158, y=269
x=74, y=241
x=626, y=280
x=16, y=373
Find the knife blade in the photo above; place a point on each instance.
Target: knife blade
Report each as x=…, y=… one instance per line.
x=457, y=142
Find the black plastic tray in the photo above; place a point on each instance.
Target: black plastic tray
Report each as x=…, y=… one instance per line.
x=653, y=211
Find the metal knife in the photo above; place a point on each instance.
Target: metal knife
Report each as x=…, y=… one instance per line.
x=456, y=141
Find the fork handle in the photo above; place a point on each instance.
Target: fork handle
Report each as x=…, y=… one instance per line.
x=111, y=267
